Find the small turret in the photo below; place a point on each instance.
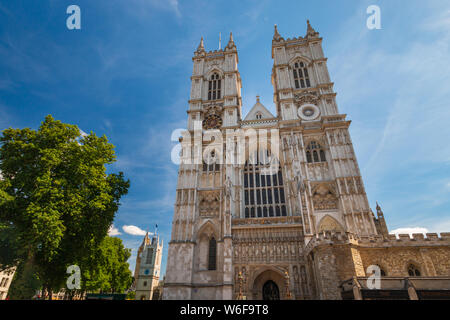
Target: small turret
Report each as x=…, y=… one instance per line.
x=379, y=211
x=146, y=240
x=231, y=45
x=201, y=47
x=276, y=35
x=380, y=222
x=310, y=32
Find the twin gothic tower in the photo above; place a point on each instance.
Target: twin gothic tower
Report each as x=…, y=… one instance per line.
x=240, y=230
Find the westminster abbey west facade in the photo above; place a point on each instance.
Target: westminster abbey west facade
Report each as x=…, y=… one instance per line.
x=302, y=231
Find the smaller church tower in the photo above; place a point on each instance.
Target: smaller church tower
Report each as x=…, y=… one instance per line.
x=148, y=267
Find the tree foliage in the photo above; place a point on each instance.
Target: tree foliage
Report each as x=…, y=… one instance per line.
x=107, y=269
x=10, y=253
x=25, y=283
x=57, y=194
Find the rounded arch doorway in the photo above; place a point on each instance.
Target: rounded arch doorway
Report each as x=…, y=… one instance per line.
x=270, y=291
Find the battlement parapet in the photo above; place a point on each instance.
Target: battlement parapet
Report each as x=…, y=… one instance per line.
x=392, y=240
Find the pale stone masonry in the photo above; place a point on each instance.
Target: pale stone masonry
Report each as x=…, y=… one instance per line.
x=6, y=277
x=298, y=232
x=148, y=267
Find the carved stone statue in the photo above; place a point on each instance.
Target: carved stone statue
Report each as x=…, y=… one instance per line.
x=228, y=188
x=298, y=177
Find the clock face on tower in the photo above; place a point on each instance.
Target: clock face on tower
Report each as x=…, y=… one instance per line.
x=212, y=122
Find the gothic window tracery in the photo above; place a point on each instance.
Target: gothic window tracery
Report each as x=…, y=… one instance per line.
x=212, y=253
x=211, y=164
x=327, y=223
x=315, y=153
x=214, y=87
x=263, y=190
x=301, y=76
x=413, y=271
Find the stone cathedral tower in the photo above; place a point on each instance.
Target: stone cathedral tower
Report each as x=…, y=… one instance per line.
x=240, y=230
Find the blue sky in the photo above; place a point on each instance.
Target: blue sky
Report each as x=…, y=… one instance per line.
x=126, y=74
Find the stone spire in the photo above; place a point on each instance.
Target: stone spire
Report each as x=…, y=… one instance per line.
x=276, y=35
x=231, y=44
x=201, y=47
x=310, y=32
x=379, y=211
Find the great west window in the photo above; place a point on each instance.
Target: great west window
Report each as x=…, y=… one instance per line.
x=263, y=189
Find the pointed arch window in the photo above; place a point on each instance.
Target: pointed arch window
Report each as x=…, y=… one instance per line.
x=263, y=187
x=259, y=116
x=301, y=75
x=212, y=254
x=315, y=153
x=413, y=271
x=214, y=87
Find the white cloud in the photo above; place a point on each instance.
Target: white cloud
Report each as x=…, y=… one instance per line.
x=113, y=231
x=175, y=7
x=83, y=134
x=409, y=231
x=134, y=231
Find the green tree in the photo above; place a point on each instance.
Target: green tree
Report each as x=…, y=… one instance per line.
x=10, y=253
x=107, y=270
x=56, y=193
x=25, y=283
x=131, y=295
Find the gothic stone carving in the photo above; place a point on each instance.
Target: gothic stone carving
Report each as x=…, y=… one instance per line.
x=209, y=203
x=324, y=198
x=307, y=97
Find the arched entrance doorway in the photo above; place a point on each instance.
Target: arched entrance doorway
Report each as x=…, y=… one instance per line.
x=270, y=291
x=268, y=284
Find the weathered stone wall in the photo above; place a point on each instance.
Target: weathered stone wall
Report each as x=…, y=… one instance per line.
x=179, y=271
x=395, y=261
x=326, y=271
